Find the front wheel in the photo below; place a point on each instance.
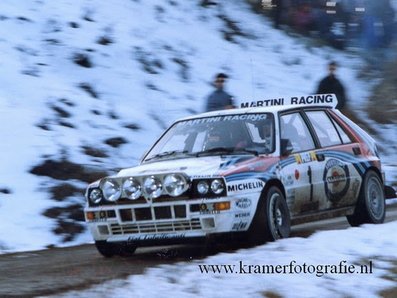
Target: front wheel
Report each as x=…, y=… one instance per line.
x=105, y=249
x=272, y=219
x=109, y=250
x=370, y=206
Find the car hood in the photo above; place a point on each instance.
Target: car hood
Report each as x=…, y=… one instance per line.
x=203, y=166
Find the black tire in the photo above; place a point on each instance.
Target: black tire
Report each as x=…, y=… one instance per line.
x=109, y=250
x=370, y=206
x=105, y=249
x=272, y=219
x=126, y=250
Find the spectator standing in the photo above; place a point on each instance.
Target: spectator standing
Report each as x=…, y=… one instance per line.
x=303, y=19
x=219, y=99
x=331, y=84
x=277, y=12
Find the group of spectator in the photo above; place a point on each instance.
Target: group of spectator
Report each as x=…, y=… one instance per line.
x=361, y=23
x=219, y=99
x=368, y=24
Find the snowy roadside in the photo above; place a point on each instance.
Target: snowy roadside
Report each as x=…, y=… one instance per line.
x=372, y=246
x=53, y=108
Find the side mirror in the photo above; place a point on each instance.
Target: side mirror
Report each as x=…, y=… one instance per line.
x=286, y=147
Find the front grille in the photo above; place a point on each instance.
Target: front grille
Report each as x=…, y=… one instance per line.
x=143, y=214
x=125, y=214
x=156, y=227
x=163, y=212
x=159, y=212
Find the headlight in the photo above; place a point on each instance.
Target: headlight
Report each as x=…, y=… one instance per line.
x=203, y=187
x=175, y=184
x=111, y=190
x=132, y=189
x=217, y=186
x=152, y=187
x=95, y=195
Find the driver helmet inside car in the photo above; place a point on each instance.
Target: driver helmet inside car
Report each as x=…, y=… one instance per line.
x=217, y=137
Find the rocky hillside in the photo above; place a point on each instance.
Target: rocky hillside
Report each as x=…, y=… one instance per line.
x=88, y=85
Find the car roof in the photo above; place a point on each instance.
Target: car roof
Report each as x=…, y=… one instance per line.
x=274, y=105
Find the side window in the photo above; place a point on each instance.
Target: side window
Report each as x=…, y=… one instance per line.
x=293, y=127
x=325, y=130
x=345, y=138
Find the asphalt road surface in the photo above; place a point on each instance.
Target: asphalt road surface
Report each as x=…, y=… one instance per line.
x=58, y=270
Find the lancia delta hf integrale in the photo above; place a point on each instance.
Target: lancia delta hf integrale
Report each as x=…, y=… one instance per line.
x=253, y=171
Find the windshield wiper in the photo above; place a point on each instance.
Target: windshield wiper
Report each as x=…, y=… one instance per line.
x=216, y=150
x=167, y=153
x=228, y=150
x=252, y=151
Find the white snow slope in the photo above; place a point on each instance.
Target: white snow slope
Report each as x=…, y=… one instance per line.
x=146, y=63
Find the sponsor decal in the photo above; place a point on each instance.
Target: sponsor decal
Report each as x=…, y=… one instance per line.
x=244, y=117
x=288, y=180
x=298, y=159
x=229, y=162
x=264, y=103
x=305, y=157
x=238, y=226
x=311, y=99
x=245, y=186
x=316, y=99
x=208, y=209
x=243, y=203
x=203, y=176
x=336, y=180
x=241, y=215
x=155, y=237
x=206, y=212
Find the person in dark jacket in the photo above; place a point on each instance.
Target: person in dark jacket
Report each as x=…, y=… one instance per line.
x=331, y=84
x=219, y=99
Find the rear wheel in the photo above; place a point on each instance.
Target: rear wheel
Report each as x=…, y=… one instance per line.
x=370, y=207
x=109, y=250
x=272, y=220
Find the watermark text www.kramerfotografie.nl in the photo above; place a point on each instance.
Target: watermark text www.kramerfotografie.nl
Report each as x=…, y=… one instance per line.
x=292, y=268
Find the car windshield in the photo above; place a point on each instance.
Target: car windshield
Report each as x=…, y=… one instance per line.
x=227, y=134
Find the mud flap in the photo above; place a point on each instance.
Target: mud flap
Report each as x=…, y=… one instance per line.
x=390, y=192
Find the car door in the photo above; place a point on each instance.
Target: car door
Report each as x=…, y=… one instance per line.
x=340, y=179
x=298, y=166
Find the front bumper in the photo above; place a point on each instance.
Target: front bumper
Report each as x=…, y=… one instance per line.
x=170, y=222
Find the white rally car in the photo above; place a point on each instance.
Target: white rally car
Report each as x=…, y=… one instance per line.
x=250, y=172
